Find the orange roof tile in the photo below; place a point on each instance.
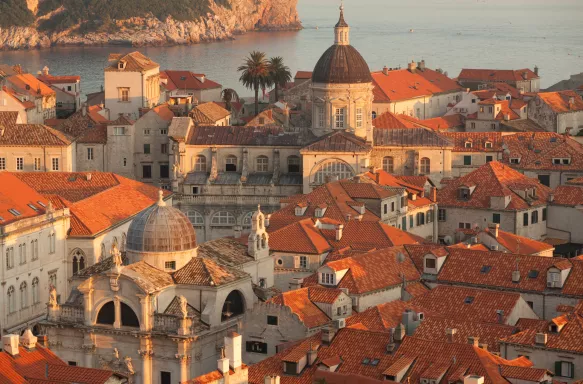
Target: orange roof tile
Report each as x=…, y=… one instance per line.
x=134, y=62
x=388, y=120
x=32, y=135
x=302, y=303
x=384, y=316
x=519, y=244
x=477, y=141
x=560, y=102
x=19, y=198
x=496, y=75
x=28, y=84
x=444, y=123
x=187, y=80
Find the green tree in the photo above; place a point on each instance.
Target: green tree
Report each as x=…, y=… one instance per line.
x=279, y=74
x=255, y=74
x=228, y=95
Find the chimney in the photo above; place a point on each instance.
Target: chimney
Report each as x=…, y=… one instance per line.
x=45, y=71
x=339, y=229
x=433, y=194
x=412, y=66
x=233, y=345
x=474, y=379
x=536, y=70
x=422, y=65
x=328, y=334
x=10, y=344
x=507, y=117
x=472, y=340
x=312, y=355
x=484, y=346
x=28, y=340
x=450, y=332
x=525, y=75
x=540, y=338
x=266, y=222
x=571, y=102
x=295, y=283
x=88, y=176
x=516, y=277
x=500, y=315
x=385, y=71
x=43, y=340
x=494, y=228
x=399, y=332
x=84, y=109
x=271, y=379
x=551, y=197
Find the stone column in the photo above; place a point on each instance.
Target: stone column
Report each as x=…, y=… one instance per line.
x=145, y=313
x=117, y=304
x=214, y=165
x=184, y=361
x=88, y=306
x=276, y=166
x=146, y=354
x=245, y=166
x=329, y=115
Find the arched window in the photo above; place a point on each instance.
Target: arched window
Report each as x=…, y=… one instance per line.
x=374, y=115
x=293, y=164
x=9, y=258
x=223, y=218
x=34, y=250
x=35, y=291
x=195, y=218
x=263, y=241
x=106, y=314
x=534, y=217
x=330, y=169
x=231, y=163
x=102, y=254
x=200, y=163
x=246, y=222
x=11, y=300
x=128, y=316
x=78, y=261
x=261, y=164
x=234, y=306
x=388, y=164
x=425, y=166
x=22, y=253
x=123, y=242
x=23, y=295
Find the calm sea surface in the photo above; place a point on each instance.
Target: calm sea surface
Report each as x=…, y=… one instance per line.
x=448, y=34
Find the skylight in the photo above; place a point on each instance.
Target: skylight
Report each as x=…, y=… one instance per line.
x=33, y=207
x=485, y=269
x=469, y=300
x=366, y=361
x=533, y=274
x=41, y=204
x=14, y=212
x=375, y=362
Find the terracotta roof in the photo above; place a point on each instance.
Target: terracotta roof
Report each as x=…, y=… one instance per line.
x=536, y=375
x=98, y=202
x=434, y=327
x=206, y=272
x=402, y=84
x=496, y=75
x=187, y=80
x=19, y=198
x=213, y=377
x=468, y=304
x=88, y=128
x=414, y=137
x=493, y=179
x=536, y=151
x=444, y=123
x=388, y=120
x=28, y=84
x=302, y=303
x=382, y=317
x=134, y=62
x=477, y=141
x=498, y=90
x=251, y=136
x=519, y=244
x=8, y=118
x=32, y=135
x=567, y=195
x=559, y=102
x=306, y=75
x=50, y=79
x=147, y=277
x=208, y=113
x=164, y=112
x=307, y=238
x=338, y=141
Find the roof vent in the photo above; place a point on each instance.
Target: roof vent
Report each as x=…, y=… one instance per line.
x=88, y=176
x=10, y=344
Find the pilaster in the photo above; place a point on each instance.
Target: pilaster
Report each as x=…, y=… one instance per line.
x=117, y=304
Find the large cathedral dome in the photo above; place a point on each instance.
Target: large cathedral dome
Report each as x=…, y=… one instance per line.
x=341, y=63
x=161, y=228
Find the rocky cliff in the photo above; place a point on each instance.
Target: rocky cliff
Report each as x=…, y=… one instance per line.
x=221, y=23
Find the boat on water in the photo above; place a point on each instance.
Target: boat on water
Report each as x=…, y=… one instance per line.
x=411, y=30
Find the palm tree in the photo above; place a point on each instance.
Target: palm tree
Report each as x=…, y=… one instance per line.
x=228, y=95
x=255, y=74
x=279, y=74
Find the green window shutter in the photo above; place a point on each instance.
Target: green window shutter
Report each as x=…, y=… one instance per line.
x=572, y=375
x=557, y=368
x=467, y=160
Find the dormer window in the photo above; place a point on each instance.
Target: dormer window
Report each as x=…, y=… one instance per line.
x=121, y=64
x=515, y=160
x=320, y=211
x=561, y=161
x=468, y=144
x=554, y=328
x=300, y=209
x=327, y=278
x=464, y=193
x=554, y=279
x=488, y=144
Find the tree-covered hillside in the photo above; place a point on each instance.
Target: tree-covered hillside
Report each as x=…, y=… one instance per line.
x=15, y=13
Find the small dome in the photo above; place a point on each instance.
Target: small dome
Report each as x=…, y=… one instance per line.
x=161, y=228
x=341, y=64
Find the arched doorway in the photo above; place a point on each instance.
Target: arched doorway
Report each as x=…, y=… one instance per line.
x=106, y=315
x=234, y=306
x=128, y=317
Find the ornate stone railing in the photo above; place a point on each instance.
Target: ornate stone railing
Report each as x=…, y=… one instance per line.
x=227, y=200
x=165, y=323
x=70, y=313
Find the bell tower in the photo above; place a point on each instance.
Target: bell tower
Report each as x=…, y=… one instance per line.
x=258, y=241
x=341, y=30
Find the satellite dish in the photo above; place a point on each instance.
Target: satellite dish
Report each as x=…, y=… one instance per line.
x=448, y=240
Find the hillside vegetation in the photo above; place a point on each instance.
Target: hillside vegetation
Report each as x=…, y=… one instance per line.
x=15, y=13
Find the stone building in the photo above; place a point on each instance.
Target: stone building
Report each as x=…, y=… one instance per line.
x=180, y=305
x=565, y=216
x=38, y=98
x=67, y=90
x=559, y=112
x=524, y=80
x=180, y=86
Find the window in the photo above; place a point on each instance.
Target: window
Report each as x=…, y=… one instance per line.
x=473, y=125
x=468, y=160
x=465, y=225
x=195, y=218
x=19, y=163
x=146, y=148
x=52, y=243
x=493, y=126
x=332, y=168
x=125, y=161
x=164, y=148
x=163, y=131
x=374, y=115
x=321, y=117
x=468, y=144
x=256, y=347
x=55, y=162
x=489, y=159
x=545, y=180
x=514, y=160
x=9, y=258
x=339, y=118
x=78, y=261
x=525, y=219
x=89, y=153
x=124, y=94
x=34, y=250
x=146, y=132
x=272, y=320
x=490, y=109
x=411, y=222
x=327, y=278
x=530, y=304
x=2, y=163
x=404, y=223
x=303, y=262
x=441, y=214
x=425, y=166
x=146, y=171
x=420, y=218
x=393, y=206
x=534, y=217
x=53, y=280
x=385, y=209
x=463, y=193
x=165, y=377
x=358, y=117
x=564, y=369
x=231, y=164
x=35, y=291
x=170, y=265
x=469, y=300
x=23, y=295
x=200, y=163
x=119, y=131
x=388, y=164
x=223, y=218
x=430, y=263
x=496, y=218
x=293, y=164
x=164, y=171
x=261, y=164
x=22, y=253
x=11, y=300
x=544, y=214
